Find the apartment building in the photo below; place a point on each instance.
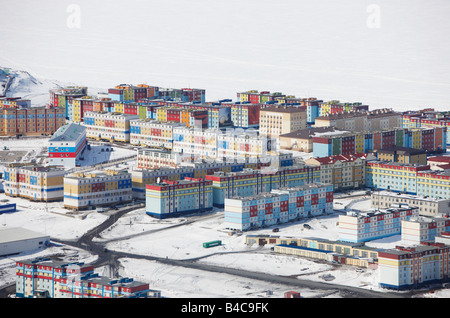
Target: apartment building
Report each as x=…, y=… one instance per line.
x=46, y=278
x=109, y=126
x=63, y=97
x=14, y=102
x=380, y=119
x=358, y=226
x=427, y=118
x=100, y=188
x=66, y=145
x=34, y=182
x=30, y=121
x=412, y=179
x=427, y=206
x=335, y=143
x=167, y=199
x=199, y=143
x=423, y=229
x=342, y=171
x=336, y=107
x=403, y=268
x=302, y=140
x=250, y=182
x=278, y=120
x=278, y=206
x=199, y=169
x=157, y=158
x=152, y=133
x=404, y=155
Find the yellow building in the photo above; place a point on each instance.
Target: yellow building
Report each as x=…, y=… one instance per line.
x=278, y=120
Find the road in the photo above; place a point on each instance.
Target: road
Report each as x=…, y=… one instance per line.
x=110, y=258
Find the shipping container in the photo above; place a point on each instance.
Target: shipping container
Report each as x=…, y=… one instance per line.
x=212, y=244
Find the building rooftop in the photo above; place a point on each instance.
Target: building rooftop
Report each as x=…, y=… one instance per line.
x=14, y=234
x=402, y=151
x=70, y=132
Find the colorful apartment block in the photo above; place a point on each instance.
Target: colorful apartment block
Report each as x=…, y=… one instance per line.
x=200, y=143
x=63, y=97
x=109, y=126
x=30, y=121
x=423, y=229
x=338, y=142
x=243, y=115
x=342, y=171
x=66, y=145
x=175, y=198
x=102, y=188
x=336, y=107
x=427, y=118
x=82, y=105
x=403, y=268
x=34, y=182
x=128, y=93
x=251, y=182
x=198, y=169
x=152, y=133
x=357, y=226
x=46, y=278
x=278, y=206
x=411, y=179
x=14, y=102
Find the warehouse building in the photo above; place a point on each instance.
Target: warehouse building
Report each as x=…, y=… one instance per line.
x=17, y=240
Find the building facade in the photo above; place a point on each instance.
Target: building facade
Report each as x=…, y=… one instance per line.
x=251, y=182
x=34, y=182
x=66, y=145
x=342, y=171
x=357, y=226
x=276, y=121
x=168, y=199
x=404, y=268
x=423, y=229
x=278, y=206
x=109, y=126
x=45, y=278
x=103, y=188
x=30, y=121
x=427, y=206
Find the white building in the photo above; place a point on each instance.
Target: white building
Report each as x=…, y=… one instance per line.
x=18, y=240
x=66, y=145
x=423, y=229
x=358, y=226
x=428, y=206
x=109, y=126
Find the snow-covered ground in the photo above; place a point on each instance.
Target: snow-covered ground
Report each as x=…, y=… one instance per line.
x=139, y=233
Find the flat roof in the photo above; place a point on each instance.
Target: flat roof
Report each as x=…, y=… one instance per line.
x=14, y=234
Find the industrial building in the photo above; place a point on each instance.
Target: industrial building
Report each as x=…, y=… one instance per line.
x=15, y=240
